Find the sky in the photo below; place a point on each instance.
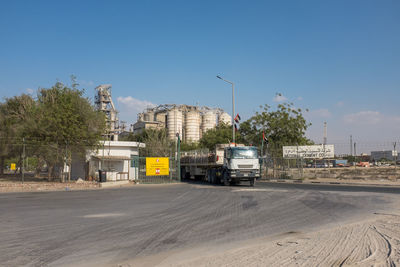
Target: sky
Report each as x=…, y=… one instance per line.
x=339, y=59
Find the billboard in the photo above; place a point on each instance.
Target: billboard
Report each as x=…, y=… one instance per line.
x=309, y=152
x=157, y=166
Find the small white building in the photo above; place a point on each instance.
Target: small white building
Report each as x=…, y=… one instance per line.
x=117, y=158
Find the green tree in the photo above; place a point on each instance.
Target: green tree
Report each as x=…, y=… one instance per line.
x=222, y=134
x=66, y=123
x=156, y=140
x=284, y=126
x=189, y=146
x=15, y=118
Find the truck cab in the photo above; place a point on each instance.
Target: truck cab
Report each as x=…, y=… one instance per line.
x=241, y=163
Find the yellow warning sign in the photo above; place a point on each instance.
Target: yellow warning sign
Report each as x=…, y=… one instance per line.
x=13, y=166
x=157, y=166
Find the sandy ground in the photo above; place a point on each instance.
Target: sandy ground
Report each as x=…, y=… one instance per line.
x=373, y=242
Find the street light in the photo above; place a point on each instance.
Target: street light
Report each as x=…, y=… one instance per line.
x=233, y=106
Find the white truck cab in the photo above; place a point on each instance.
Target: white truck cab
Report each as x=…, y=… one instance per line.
x=241, y=163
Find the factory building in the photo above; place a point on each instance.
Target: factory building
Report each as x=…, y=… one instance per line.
x=190, y=122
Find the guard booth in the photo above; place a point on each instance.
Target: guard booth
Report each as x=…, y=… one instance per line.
x=116, y=168
x=116, y=160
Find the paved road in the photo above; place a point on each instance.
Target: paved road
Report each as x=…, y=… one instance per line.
x=331, y=187
x=107, y=227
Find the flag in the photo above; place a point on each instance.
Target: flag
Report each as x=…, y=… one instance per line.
x=265, y=138
x=236, y=129
x=237, y=118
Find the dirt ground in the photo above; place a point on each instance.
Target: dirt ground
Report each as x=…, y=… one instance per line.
x=376, y=182
x=45, y=186
x=372, y=242
x=12, y=183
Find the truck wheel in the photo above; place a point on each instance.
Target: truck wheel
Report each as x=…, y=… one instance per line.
x=213, y=177
x=226, y=179
x=187, y=175
x=252, y=181
x=209, y=180
x=183, y=173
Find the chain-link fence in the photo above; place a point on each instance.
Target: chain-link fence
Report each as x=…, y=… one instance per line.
x=360, y=160
x=64, y=162
x=109, y=161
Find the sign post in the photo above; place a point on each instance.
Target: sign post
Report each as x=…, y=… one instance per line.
x=308, y=152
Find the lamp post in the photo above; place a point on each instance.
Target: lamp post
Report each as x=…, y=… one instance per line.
x=233, y=106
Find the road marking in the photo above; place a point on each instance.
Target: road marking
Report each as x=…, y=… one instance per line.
x=103, y=215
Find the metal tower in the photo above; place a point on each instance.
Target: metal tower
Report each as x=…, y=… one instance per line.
x=105, y=104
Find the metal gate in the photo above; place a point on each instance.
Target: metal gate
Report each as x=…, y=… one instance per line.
x=280, y=168
x=146, y=178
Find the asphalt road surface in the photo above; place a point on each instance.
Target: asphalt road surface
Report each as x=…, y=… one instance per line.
x=113, y=226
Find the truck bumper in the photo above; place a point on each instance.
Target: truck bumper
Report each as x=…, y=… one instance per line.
x=244, y=175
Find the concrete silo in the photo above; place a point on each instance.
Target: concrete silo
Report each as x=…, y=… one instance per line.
x=209, y=121
x=192, y=123
x=225, y=118
x=149, y=115
x=174, y=122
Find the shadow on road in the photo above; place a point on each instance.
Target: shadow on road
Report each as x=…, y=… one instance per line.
x=199, y=182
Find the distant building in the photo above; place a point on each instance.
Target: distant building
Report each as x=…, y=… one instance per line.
x=385, y=154
x=139, y=126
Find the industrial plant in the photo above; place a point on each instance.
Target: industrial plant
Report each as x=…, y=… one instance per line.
x=190, y=122
x=104, y=103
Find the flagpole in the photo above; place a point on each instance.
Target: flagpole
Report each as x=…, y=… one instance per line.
x=262, y=146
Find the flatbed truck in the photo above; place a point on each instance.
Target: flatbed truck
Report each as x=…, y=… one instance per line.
x=228, y=164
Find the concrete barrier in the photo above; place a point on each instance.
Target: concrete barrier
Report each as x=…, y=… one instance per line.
x=113, y=184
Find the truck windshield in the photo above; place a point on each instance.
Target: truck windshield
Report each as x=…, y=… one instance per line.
x=244, y=153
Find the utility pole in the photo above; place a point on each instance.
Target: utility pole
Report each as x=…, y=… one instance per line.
x=395, y=154
x=355, y=154
x=23, y=159
x=351, y=145
x=325, y=133
x=68, y=165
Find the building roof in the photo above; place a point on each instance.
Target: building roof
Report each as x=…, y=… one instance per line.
x=122, y=144
x=112, y=157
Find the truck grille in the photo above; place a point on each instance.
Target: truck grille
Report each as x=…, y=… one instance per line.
x=245, y=166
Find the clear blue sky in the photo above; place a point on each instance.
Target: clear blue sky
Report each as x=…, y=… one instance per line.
x=340, y=59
